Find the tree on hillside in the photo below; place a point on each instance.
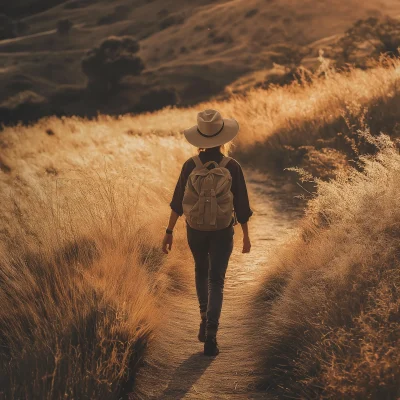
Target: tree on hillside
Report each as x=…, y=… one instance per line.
x=158, y=98
x=370, y=38
x=112, y=60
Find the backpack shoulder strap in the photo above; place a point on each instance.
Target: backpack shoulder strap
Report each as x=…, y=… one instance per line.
x=197, y=161
x=224, y=161
x=209, y=163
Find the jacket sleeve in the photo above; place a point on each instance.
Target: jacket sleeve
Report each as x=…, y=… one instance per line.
x=240, y=196
x=177, y=198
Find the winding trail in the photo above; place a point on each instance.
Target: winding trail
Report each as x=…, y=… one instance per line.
x=175, y=367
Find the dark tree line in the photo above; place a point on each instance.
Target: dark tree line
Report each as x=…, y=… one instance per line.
x=115, y=58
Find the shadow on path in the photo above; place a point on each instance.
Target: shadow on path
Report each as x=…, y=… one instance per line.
x=186, y=375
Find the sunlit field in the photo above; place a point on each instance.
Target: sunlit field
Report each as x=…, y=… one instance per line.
x=310, y=123
x=82, y=273
x=83, y=210
x=330, y=304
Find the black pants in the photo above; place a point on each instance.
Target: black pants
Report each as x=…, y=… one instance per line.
x=211, y=252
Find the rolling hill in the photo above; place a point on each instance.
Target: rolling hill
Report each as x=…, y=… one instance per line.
x=198, y=48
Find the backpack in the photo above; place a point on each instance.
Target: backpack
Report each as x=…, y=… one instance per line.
x=208, y=200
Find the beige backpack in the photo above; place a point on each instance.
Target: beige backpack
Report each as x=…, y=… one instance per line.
x=208, y=200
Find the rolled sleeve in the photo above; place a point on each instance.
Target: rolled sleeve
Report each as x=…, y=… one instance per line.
x=241, y=201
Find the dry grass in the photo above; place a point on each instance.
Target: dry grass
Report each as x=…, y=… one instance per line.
x=330, y=306
x=82, y=274
x=309, y=124
x=83, y=279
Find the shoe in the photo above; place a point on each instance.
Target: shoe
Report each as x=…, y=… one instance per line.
x=202, y=331
x=211, y=347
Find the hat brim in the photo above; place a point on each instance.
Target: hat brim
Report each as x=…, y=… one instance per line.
x=230, y=130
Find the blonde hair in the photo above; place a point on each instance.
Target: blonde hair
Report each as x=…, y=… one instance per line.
x=225, y=149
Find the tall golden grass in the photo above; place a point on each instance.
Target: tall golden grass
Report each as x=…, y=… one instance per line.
x=83, y=210
x=82, y=274
x=310, y=123
x=329, y=306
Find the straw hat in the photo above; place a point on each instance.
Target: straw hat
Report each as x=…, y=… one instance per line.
x=211, y=130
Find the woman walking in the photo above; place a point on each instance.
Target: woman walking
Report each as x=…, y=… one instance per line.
x=211, y=191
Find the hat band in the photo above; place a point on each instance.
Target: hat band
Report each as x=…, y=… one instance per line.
x=215, y=134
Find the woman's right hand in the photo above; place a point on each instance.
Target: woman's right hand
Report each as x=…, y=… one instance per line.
x=167, y=242
x=246, y=244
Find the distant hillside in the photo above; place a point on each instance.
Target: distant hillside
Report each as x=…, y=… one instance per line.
x=25, y=8
x=195, y=48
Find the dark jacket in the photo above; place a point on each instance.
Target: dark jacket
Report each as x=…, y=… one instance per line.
x=239, y=189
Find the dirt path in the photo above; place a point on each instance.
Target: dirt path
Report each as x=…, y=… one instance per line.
x=176, y=367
